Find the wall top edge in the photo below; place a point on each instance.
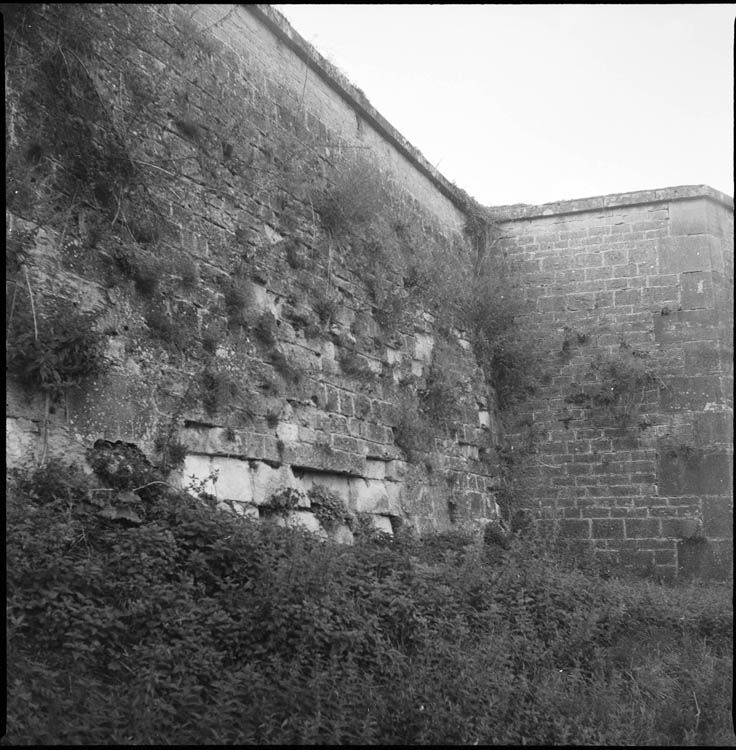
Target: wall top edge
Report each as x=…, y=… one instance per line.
x=338, y=81
x=613, y=200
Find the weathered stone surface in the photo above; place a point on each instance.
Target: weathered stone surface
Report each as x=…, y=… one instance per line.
x=337, y=483
x=688, y=217
x=226, y=478
x=268, y=479
x=664, y=261
x=246, y=356
x=304, y=520
x=342, y=535
x=382, y=523
x=375, y=496
x=689, y=253
x=423, y=346
x=375, y=469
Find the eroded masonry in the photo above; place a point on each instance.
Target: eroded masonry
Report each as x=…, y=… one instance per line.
x=219, y=252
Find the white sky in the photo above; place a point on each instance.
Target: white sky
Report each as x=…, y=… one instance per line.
x=537, y=103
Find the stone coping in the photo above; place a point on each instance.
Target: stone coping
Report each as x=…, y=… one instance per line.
x=337, y=80
x=613, y=200
x=331, y=75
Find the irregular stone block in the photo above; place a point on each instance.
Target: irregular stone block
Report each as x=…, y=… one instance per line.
x=302, y=519
x=382, y=523
x=21, y=440
x=287, y=432
x=375, y=496
x=394, y=356
x=396, y=470
x=240, y=508
x=342, y=535
x=336, y=483
x=375, y=469
x=114, y=407
x=267, y=479
x=198, y=470
x=234, y=480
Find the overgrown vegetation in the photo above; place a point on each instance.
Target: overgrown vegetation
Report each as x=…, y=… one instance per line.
x=91, y=157
x=144, y=616
x=617, y=386
x=465, y=282
x=430, y=407
x=52, y=347
x=329, y=508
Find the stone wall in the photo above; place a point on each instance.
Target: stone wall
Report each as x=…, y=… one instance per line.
x=167, y=173
x=628, y=439
x=265, y=261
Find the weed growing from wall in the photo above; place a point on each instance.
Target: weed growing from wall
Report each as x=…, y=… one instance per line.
x=464, y=281
x=413, y=432
x=283, y=501
x=77, y=156
x=352, y=364
x=218, y=389
x=172, y=452
x=54, y=347
x=617, y=386
x=442, y=393
x=329, y=508
x=356, y=197
x=266, y=328
x=238, y=303
x=505, y=352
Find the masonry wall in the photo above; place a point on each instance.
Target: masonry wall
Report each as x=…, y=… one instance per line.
x=167, y=168
x=627, y=441
x=165, y=165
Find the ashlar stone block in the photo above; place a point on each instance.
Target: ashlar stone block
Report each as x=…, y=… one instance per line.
x=423, y=346
x=302, y=519
x=688, y=217
x=266, y=479
x=688, y=253
x=336, y=483
x=374, y=496
x=382, y=523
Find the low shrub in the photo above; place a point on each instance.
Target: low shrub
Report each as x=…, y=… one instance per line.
x=193, y=625
x=617, y=386
x=53, y=347
x=357, y=195
x=329, y=508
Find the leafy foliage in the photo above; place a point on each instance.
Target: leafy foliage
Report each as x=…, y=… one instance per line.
x=617, y=385
x=356, y=196
x=329, y=508
x=284, y=500
x=195, y=625
x=56, y=347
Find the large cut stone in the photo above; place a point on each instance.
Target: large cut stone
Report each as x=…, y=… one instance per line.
x=375, y=496
x=302, y=519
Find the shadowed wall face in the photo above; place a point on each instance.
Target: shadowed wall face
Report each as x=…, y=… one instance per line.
x=633, y=294
x=236, y=222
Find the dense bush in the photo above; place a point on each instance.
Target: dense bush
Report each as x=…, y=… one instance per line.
x=186, y=624
x=53, y=348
